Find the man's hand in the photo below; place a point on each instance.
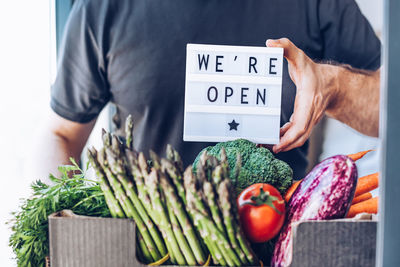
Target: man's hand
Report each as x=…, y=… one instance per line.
x=316, y=88
x=341, y=92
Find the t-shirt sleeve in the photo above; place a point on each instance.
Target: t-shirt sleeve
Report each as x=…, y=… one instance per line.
x=348, y=36
x=80, y=90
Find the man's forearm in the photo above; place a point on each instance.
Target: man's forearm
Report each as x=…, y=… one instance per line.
x=356, y=101
x=50, y=151
x=58, y=140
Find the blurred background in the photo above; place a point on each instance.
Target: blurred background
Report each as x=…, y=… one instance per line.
x=30, y=31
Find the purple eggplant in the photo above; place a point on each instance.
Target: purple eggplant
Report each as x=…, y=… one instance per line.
x=325, y=193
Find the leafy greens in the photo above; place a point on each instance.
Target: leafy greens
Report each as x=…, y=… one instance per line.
x=29, y=239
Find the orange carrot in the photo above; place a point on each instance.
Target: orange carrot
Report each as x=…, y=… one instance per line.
x=368, y=206
x=366, y=184
x=291, y=190
x=358, y=155
x=361, y=198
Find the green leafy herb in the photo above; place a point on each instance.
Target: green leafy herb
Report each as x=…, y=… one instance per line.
x=29, y=239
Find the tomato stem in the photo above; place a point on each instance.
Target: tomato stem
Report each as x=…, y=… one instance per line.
x=264, y=198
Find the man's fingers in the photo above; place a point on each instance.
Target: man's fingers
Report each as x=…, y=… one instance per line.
x=282, y=132
x=284, y=128
x=294, y=137
x=297, y=143
x=298, y=126
x=287, y=139
x=266, y=146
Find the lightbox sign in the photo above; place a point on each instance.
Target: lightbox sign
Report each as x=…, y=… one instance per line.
x=233, y=92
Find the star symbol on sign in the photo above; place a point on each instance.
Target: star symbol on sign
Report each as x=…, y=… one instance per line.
x=233, y=125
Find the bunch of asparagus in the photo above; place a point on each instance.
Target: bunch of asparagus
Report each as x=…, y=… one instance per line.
x=211, y=202
x=189, y=216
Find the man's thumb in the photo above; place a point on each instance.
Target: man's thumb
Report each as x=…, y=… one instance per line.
x=290, y=50
x=272, y=43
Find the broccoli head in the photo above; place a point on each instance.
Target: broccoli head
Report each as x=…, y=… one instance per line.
x=258, y=165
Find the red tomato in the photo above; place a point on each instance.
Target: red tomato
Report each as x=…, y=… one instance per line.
x=261, y=212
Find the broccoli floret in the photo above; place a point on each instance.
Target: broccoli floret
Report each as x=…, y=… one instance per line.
x=258, y=165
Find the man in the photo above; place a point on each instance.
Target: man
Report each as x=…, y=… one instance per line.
x=132, y=53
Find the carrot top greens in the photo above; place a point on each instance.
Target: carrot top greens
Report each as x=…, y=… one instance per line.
x=29, y=239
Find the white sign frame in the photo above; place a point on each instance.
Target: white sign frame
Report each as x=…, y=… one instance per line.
x=246, y=82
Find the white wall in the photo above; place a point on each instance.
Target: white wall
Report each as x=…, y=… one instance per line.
x=24, y=87
x=373, y=11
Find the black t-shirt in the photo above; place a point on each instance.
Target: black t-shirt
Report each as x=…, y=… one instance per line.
x=132, y=53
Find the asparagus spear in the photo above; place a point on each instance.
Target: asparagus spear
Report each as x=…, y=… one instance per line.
x=244, y=244
x=176, y=176
x=225, y=204
x=201, y=174
x=127, y=205
x=238, y=167
x=171, y=253
x=170, y=153
x=144, y=251
x=144, y=168
x=183, y=219
x=189, y=182
x=164, y=223
x=141, y=189
x=213, y=247
x=112, y=203
x=178, y=161
x=131, y=153
x=203, y=170
x=174, y=157
x=192, y=181
x=143, y=171
x=224, y=163
x=180, y=238
x=128, y=132
x=117, y=165
x=155, y=160
x=213, y=162
x=106, y=138
x=206, y=166
x=203, y=158
x=209, y=193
